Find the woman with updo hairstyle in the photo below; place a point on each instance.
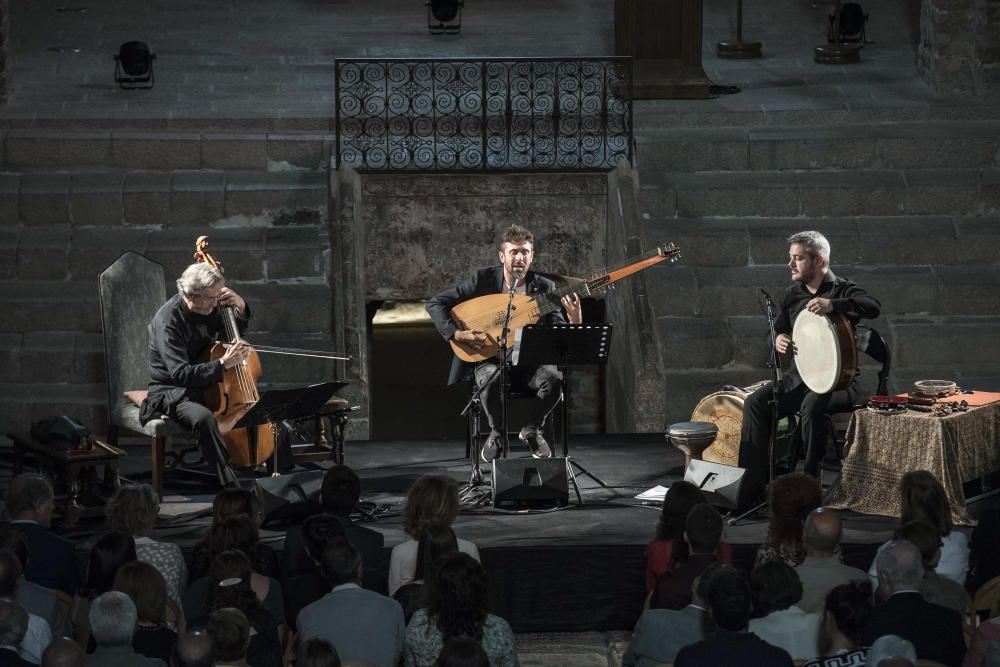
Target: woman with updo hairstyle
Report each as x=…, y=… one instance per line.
x=437, y=542
x=229, y=503
x=668, y=549
x=144, y=584
x=432, y=499
x=777, y=618
x=112, y=550
x=846, y=612
x=790, y=498
x=457, y=607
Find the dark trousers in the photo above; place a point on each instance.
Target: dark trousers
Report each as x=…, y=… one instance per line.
x=202, y=421
x=812, y=408
x=544, y=381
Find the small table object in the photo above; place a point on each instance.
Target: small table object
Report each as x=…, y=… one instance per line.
x=692, y=438
x=325, y=448
x=66, y=465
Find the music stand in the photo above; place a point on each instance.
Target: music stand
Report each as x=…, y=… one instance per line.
x=563, y=345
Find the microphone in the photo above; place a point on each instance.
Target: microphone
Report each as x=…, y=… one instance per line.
x=767, y=297
x=515, y=279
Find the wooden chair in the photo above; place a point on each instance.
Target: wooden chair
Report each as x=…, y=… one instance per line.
x=986, y=598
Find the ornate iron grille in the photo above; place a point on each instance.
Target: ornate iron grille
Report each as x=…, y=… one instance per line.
x=486, y=114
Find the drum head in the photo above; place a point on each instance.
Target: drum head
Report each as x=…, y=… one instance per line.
x=725, y=410
x=817, y=352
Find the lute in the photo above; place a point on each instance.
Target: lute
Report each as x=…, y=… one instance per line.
x=486, y=313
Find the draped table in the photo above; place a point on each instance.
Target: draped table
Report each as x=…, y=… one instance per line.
x=881, y=448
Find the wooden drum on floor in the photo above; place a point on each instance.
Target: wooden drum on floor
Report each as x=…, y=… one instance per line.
x=725, y=410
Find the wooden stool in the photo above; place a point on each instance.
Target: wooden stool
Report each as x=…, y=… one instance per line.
x=65, y=465
x=692, y=438
x=334, y=412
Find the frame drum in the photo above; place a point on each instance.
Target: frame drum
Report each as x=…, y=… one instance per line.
x=725, y=410
x=826, y=355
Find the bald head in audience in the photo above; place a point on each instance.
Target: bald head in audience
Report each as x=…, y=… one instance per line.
x=900, y=568
x=193, y=649
x=821, y=535
x=63, y=652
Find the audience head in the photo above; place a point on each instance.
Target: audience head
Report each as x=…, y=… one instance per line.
x=792, y=498
x=462, y=652
x=237, y=532
x=821, y=535
x=230, y=629
x=899, y=567
x=10, y=573
x=133, y=509
x=13, y=539
x=891, y=651
x=195, y=648
x=229, y=582
x=431, y=499
x=13, y=622
x=341, y=490
x=926, y=538
x=113, y=619
x=776, y=586
x=457, y=598
x=317, y=531
x=110, y=552
x=923, y=499
x=30, y=496
x=145, y=585
x=699, y=587
x=341, y=563
x=846, y=612
x=729, y=599
x=317, y=652
x=703, y=529
x=437, y=541
x=236, y=502
x=680, y=498
x=63, y=652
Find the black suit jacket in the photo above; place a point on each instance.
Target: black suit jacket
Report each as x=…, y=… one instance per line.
x=369, y=544
x=51, y=559
x=732, y=648
x=936, y=632
x=9, y=658
x=485, y=281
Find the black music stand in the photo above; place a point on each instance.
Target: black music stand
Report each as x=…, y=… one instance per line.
x=564, y=345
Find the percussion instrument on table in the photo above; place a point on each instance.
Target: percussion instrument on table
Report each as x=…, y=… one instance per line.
x=826, y=354
x=935, y=388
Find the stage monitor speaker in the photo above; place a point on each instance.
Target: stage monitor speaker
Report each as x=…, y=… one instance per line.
x=725, y=486
x=530, y=483
x=289, y=498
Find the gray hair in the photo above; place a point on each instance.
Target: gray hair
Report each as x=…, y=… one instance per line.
x=900, y=562
x=815, y=243
x=113, y=619
x=197, y=278
x=891, y=647
x=26, y=492
x=13, y=622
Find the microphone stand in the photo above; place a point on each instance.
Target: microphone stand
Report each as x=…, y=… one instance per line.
x=504, y=379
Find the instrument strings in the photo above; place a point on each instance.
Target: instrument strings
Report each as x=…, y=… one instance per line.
x=247, y=385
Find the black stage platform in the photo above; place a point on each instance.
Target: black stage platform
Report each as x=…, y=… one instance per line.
x=575, y=569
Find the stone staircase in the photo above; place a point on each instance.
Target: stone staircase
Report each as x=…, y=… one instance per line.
x=909, y=198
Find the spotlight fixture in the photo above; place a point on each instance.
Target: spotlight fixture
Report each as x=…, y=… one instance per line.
x=836, y=51
x=444, y=17
x=853, y=20
x=134, y=65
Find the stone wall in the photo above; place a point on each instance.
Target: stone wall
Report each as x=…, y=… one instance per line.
x=959, y=49
x=5, y=51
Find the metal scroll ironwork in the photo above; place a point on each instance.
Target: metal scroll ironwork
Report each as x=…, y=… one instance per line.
x=485, y=114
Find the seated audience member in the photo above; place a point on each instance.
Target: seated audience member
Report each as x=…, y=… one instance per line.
x=456, y=607
x=891, y=651
x=304, y=589
x=987, y=633
x=669, y=549
x=791, y=498
x=238, y=533
x=922, y=498
x=660, y=633
x=195, y=648
x=38, y=634
x=821, y=570
x=230, y=629
x=227, y=503
x=30, y=503
x=133, y=510
x=63, y=652
x=984, y=550
x=779, y=620
x=35, y=599
x=339, y=496
x=935, y=588
x=433, y=499
x=462, y=652
x=317, y=653
x=229, y=586
x=110, y=552
x=702, y=532
x=363, y=625
x=934, y=631
x=13, y=626
x=437, y=541
x=847, y=611
x=112, y=621
x=730, y=604
x=144, y=584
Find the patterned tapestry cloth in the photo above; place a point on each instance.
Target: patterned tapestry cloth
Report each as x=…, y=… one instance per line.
x=881, y=448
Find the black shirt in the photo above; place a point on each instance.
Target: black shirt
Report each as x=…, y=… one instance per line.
x=845, y=297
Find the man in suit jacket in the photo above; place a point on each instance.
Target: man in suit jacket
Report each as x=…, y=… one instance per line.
x=363, y=625
x=13, y=626
x=822, y=571
x=30, y=503
x=516, y=254
x=38, y=600
x=935, y=632
x=702, y=532
x=339, y=496
x=113, y=620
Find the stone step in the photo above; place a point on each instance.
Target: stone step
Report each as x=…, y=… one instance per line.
x=184, y=198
